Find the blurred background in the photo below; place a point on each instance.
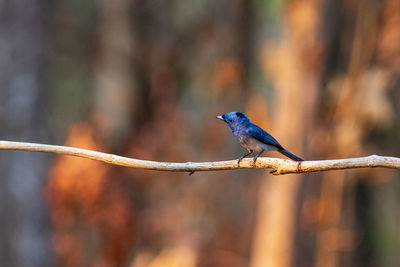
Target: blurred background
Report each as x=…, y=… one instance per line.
x=146, y=79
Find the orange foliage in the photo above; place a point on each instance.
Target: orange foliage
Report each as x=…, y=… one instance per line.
x=81, y=195
x=228, y=73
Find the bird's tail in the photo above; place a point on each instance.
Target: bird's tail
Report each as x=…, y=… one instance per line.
x=290, y=155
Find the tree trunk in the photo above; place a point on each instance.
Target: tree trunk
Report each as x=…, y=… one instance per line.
x=24, y=233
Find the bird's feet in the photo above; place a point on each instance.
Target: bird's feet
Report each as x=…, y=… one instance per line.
x=255, y=158
x=242, y=157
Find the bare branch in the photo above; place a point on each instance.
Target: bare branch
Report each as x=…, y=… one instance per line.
x=279, y=166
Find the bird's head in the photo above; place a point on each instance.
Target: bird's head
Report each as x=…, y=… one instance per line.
x=234, y=119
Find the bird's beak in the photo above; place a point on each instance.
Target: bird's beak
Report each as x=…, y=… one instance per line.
x=220, y=117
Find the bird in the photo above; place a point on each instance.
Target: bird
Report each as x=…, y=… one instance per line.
x=252, y=137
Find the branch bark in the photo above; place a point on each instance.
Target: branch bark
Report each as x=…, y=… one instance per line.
x=279, y=166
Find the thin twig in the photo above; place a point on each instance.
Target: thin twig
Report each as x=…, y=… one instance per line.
x=279, y=166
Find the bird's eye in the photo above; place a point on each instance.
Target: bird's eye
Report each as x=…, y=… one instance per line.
x=230, y=120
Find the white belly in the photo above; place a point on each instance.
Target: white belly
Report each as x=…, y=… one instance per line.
x=257, y=146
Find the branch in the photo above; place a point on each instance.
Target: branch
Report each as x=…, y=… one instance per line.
x=279, y=166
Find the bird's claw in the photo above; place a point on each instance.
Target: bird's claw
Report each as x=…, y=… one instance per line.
x=239, y=162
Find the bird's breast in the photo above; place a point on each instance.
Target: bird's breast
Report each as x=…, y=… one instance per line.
x=251, y=143
x=241, y=136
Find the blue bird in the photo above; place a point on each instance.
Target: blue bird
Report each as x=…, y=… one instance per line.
x=252, y=137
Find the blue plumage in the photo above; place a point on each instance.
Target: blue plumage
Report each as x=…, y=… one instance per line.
x=252, y=137
x=262, y=135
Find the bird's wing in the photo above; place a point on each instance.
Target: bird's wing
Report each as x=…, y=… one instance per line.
x=262, y=136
